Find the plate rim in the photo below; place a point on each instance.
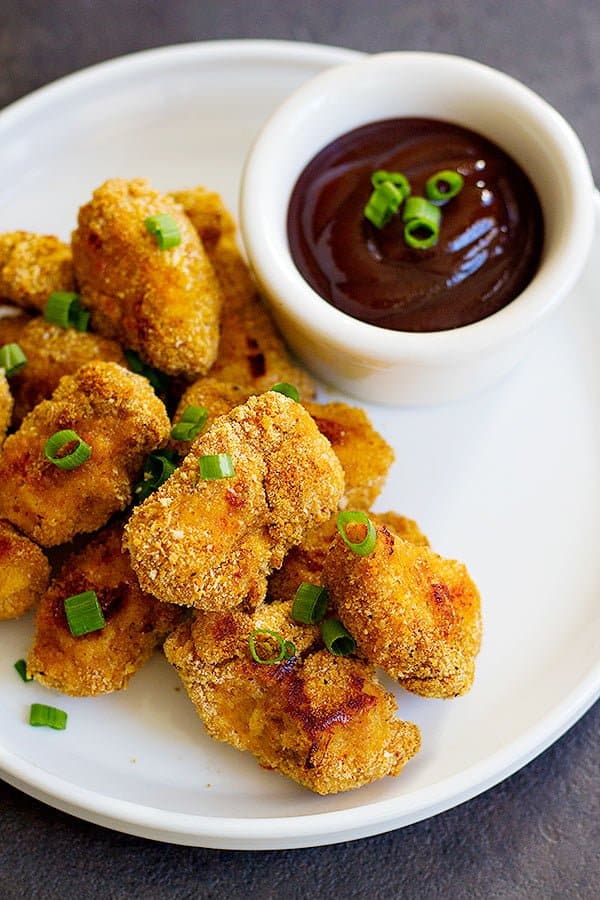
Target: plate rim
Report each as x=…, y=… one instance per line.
x=279, y=831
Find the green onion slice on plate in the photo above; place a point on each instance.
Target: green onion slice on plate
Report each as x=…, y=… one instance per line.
x=40, y=714
x=335, y=637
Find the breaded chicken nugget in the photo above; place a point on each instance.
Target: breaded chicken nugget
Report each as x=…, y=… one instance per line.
x=212, y=543
x=11, y=327
x=32, y=266
x=365, y=456
x=6, y=406
x=305, y=562
x=410, y=611
x=52, y=352
x=216, y=229
x=164, y=304
x=24, y=572
x=251, y=352
x=122, y=420
x=322, y=720
x=103, y=660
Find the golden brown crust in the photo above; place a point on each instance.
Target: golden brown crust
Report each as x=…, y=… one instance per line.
x=52, y=352
x=208, y=214
x=6, y=405
x=211, y=544
x=164, y=304
x=118, y=414
x=305, y=562
x=323, y=721
x=32, y=266
x=410, y=611
x=11, y=327
x=103, y=660
x=24, y=572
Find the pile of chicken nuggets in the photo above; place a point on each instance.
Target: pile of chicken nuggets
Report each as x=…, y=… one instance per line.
x=204, y=562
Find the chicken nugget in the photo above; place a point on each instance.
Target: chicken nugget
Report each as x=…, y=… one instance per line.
x=6, y=406
x=216, y=229
x=104, y=660
x=305, y=562
x=32, y=266
x=251, y=352
x=24, y=572
x=112, y=410
x=322, y=720
x=164, y=304
x=410, y=611
x=212, y=543
x=52, y=352
x=11, y=327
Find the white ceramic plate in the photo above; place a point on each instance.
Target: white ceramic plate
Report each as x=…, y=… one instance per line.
x=508, y=480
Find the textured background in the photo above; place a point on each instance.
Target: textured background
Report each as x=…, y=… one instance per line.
x=537, y=835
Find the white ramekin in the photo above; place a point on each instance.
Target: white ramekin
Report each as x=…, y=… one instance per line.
x=394, y=367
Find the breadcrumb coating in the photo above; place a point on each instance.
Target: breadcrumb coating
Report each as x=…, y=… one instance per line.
x=251, y=352
x=32, y=266
x=104, y=660
x=217, y=231
x=164, y=304
x=6, y=405
x=24, y=572
x=11, y=327
x=211, y=544
x=322, y=720
x=305, y=562
x=114, y=411
x=52, y=352
x=412, y=612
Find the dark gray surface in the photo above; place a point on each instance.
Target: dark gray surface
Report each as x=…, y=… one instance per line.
x=535, y=836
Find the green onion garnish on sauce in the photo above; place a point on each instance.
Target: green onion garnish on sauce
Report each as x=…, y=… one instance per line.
x=12, y=359
x=366, y=544
x=84, y=613
x=399, y=180
x=215, y=466
x=165, y=230
x=157, y=469
x=422, y=223
x=64, y=308
x=390, y=190
x=288, y=390
x=157, y=379
x=50, y=716
x=335, y=637
x=21, y=667
x=310, y=603
x=444, y=185
x=191, y=423
x=66, y=450
x=285, y=649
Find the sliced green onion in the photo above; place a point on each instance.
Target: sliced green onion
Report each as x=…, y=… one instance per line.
x=157, y=469
x=290, y=649
x=64, y=308
x=21, y=667
x=420, y=208
x=84, y=613
x=12, y=359
x=281, y=643
x=288, y=390
x=165, y=230
x=384, y=202
x=357, y=517
x=214, y=466
x=422, y=219
x=444, y=185
x=191, y=424
x=40, y=714
x=310, y=603
x=67, y=440
x=158, y=380
x=399, y=180
x=335, y=637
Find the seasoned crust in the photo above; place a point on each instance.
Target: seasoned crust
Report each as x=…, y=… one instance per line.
x=11, y=327
x=323, y=721
x=32, y=266
x=24, y=572
x=305, y=562
x=118, y=414
x=412, y=612
x=164, y=304
x=6, y=406
x=103, y=660
x=52, y=352
x=211, y=544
